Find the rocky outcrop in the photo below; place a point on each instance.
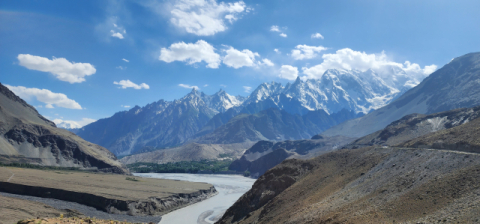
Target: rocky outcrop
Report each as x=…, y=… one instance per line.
x=152, y=206
x=26, y=136
x=264, y=155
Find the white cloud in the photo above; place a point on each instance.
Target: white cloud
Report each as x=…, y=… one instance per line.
x=116, y=34
x=283, y=35
x=306, y=52
x=129, y=84
x=247, y=89
x=349, y=59
x=275, y=29
x=277, y=51
x=191, y=53
x=45, y=96
x=205, y=85
x=266, y=62
x=125, y=106
x=317, y=36
x=61, y=68
x=73, y=124
x=288, y=72
x=205, y=17
x=238, y=59
x=125, y=60
x=188, y=86
x=224, y=86
x=121, y=67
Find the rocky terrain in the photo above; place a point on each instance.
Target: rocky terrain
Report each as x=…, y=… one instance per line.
x=265, y=154
x=366, y=185
x=463, y=138
x=190, y=152
x=115, y=194
x=417, y=125
x=455, y=85
x=27, y=136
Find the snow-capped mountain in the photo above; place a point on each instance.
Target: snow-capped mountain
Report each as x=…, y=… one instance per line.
x=221, y=101
x=336, y=90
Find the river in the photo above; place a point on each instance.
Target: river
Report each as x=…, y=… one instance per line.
x=229, y=187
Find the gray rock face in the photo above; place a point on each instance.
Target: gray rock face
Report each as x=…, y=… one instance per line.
x=264, y=155
x=455, y=85
x=27, y=136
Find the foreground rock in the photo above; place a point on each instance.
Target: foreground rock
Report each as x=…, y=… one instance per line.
x=367, y=185
x=110, y=193
x=28, y=137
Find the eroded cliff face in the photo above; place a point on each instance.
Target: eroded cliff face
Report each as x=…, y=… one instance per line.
x=151, y=206
x=367, y=185
x=26, y=136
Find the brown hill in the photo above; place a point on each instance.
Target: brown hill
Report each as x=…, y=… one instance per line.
x=28, y=137
x=366, y=185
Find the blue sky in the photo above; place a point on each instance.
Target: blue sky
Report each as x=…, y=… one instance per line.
x=65, y=56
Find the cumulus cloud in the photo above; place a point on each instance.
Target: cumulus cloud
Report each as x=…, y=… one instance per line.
x=73, y=124
x=129, y=84
x=61, y=68
x=275, y=28
x=188, y=86
x=125, y=60
x=317, y=36
x=283, y=35
x=277, y=51
x=306, y=52
x=288, y=72
x=191, y=53
x=116, y=34
x=266, y=62
x=247, y=89
x=45, y=96
x=349, y=59
x=125, y=106
x=237, y=59
x=205, y=17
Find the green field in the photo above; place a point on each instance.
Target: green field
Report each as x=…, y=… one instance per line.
x=213, y=166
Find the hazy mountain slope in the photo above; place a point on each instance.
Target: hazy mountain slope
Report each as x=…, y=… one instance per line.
x=416, y=125
x=190, y=152
x=273, y=124
x=455, y=85
x=264, y=155
x=27, y=136
x=367, y=185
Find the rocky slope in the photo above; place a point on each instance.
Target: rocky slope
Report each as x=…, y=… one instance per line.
x=367, y=185
x=273, y=124
x=264, y=155
x=26, y=135
x=464, y=138
x=455, y=85
x=415, y=125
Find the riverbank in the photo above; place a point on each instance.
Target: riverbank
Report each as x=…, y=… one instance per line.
x=229, y=187
x=112, y=194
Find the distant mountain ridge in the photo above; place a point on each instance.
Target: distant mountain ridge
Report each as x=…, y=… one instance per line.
x=165, y=124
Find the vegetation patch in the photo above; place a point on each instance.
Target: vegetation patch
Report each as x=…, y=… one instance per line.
x=39, y=167
x=213, y=166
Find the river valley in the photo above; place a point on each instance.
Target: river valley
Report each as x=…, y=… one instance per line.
x=229, y=187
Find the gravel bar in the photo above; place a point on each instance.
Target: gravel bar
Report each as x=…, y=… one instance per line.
x=86, y=210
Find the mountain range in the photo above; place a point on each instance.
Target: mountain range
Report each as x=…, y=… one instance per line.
x=311, y=106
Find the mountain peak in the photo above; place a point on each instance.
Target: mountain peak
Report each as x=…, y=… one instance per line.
x=298, y=80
